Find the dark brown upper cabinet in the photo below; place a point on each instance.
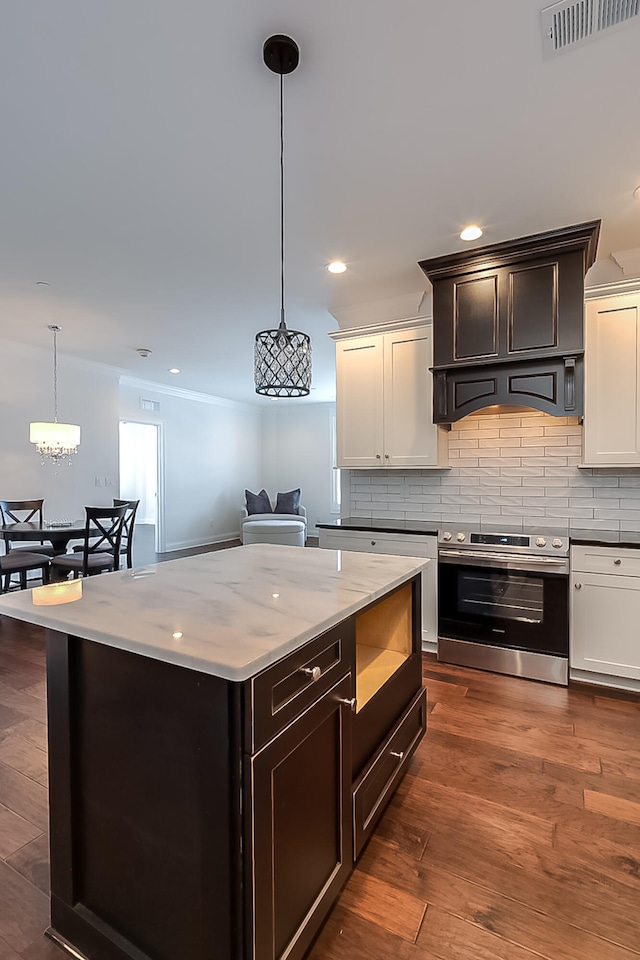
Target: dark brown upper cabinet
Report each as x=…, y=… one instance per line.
x=508, y=323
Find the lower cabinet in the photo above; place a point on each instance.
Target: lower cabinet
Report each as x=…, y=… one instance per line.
x=317, y=789
x=301, y=825
x=605, y=611
x=403, y=545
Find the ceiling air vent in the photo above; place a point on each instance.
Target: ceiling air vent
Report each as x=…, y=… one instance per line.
x=573, y=22
x=149, y=404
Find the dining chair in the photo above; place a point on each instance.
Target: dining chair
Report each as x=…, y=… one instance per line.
x=22, y=562
x=101, y=546
x=126, y=544
x=26, y=511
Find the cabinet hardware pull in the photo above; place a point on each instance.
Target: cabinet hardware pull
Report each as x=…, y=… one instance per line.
x=377, y=456
x=578, y=586
x=398, y=753
x=313, y=672
x=617, y=562
x=351, y=703
x=373, y=543
x=386, y=456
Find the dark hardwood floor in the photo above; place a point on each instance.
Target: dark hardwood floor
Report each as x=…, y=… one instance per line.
x=515, y=835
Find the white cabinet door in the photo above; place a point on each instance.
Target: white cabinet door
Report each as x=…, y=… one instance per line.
x=402, y=545
x=410, y=437
x=359, y=422
x=605, y=613
x=612, y=382
x=384, y=401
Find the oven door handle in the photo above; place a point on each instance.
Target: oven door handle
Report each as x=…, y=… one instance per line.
x=503, y=560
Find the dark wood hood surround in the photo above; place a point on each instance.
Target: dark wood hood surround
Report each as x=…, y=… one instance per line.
x=508, y=323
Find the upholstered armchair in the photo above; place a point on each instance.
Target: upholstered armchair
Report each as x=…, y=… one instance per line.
x=286, y=528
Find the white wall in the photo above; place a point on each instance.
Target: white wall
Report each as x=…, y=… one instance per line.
x=213, y=448
x=87, y=395
x=506, y=470
x=298, y=452
x=212, y=451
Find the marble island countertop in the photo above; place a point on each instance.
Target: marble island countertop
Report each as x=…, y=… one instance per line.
x=230, y=613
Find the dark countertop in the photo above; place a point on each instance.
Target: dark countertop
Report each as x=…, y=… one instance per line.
x=588, y=538
x=605, y=538
x=424, y=527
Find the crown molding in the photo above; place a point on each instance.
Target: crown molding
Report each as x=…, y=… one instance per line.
x=151, y=386
x=388, y=326
x=615, y=289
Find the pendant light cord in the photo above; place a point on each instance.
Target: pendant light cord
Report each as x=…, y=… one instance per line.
x=282, y=322
x=55, y=376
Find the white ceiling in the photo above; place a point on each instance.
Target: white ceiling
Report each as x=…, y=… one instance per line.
x=139, y=166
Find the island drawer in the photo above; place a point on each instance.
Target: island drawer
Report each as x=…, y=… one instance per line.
x=284, y=690
x=375, y=785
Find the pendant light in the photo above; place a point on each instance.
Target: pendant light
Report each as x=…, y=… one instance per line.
x=282, y=357
x=55, y=441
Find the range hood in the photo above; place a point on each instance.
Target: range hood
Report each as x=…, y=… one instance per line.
x=508, y=324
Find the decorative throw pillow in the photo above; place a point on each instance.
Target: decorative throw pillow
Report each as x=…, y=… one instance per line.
x=258, y=502
x=288, y=502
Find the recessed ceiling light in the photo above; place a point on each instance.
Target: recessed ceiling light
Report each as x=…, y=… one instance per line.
x=471, y=233
x=336, y=266
x=174, y=369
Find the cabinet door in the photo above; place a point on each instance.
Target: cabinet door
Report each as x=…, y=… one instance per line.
x=604, y=624
x=410, y=438
x=612, y=365
x=301, y=827
x=359, y=402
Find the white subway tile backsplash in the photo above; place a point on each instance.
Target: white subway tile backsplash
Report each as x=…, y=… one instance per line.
x=507, y=469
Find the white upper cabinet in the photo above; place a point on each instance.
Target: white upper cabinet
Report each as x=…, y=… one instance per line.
x=384, y=399
x=612, y=381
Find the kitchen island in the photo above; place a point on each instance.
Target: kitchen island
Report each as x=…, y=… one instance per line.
x=224, y=732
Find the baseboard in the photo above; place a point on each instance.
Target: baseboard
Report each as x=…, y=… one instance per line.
x=604, y=680
x=429, y=646
x=201, y=542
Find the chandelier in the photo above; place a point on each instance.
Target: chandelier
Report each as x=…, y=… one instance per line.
x=282, y=357
x=55, y=441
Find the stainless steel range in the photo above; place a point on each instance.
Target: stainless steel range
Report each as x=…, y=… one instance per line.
x=503, y=602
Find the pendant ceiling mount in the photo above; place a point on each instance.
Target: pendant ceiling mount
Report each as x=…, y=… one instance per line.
x=281, y=54
x=282, y=357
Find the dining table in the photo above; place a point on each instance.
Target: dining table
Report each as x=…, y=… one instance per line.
x=58, y=534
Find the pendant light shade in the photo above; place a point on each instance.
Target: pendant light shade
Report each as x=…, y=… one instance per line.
x=282, y=357
x=55, y=441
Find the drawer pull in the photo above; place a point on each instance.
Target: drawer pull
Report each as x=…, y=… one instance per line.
x=617, y=562
x=349, y=702
x=373, y=543
x=578, y=586
x=398, y=753
x=314, y=672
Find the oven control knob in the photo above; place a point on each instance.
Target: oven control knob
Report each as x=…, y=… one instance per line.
x=557, y=543
x=446, y=536
x=541, y=542
x=461, y=537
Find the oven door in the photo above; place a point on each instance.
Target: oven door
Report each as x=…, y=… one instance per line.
x=496, y=603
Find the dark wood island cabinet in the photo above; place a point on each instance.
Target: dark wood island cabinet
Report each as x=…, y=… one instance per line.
x=212, y=809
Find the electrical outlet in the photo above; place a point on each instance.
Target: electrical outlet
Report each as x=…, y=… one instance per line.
x=98, y=481
x=108, y=481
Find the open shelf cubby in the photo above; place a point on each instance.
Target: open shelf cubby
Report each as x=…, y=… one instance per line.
x=383, y=642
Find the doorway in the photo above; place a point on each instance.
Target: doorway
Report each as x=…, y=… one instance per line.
x=140, y=479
